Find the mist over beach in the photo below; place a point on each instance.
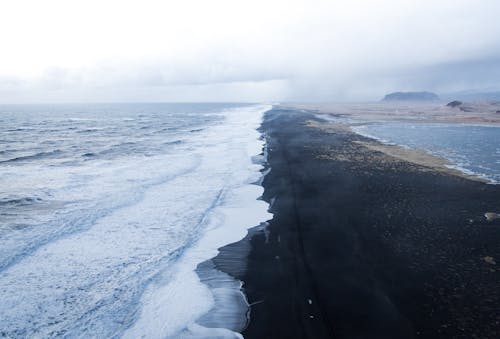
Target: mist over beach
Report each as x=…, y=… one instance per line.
x=237, y=169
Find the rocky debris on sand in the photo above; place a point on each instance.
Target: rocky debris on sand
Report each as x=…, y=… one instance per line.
x=490, y=216
x=454, y=103
x=490, y=260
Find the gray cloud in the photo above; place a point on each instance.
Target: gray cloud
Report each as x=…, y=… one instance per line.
x=323, y=50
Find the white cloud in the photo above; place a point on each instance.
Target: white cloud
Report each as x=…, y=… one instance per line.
x=235, y=50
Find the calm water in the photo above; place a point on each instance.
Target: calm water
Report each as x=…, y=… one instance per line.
x=100, y=203
x=473, y=149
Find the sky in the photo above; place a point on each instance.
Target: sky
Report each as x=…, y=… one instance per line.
x=234, y=50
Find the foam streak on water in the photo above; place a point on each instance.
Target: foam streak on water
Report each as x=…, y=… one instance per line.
x=104, y=219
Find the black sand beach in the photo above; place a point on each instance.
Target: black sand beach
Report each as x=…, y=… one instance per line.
x=363, y=245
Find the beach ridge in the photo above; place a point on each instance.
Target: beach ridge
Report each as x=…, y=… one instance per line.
x=366, y=248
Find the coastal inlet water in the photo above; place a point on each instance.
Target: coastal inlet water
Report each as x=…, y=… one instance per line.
x=102, y=206
x=472, y=149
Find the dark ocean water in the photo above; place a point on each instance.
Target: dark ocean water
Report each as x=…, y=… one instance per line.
x=100, y=203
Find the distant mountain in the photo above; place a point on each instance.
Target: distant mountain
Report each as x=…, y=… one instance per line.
x=411, y=96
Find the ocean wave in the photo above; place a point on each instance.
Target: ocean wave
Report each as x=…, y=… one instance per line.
x=19, y=201
x=89, y=155
x=88, y=130
x=36, y=156
x=127, y=233
x=85, y=214
x=227, y=221
x=174, y=142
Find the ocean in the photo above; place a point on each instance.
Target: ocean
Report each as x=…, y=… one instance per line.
x=107, y=209
x=472, y=149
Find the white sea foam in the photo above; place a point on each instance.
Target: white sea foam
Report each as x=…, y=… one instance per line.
x=363, y=131
x=167, y=309
x=120, y=251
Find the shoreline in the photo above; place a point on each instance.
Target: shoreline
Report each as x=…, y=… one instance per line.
x=205, y=301
x=421, y=157
x=354, y=241
x=229, y=314
x=231, y=261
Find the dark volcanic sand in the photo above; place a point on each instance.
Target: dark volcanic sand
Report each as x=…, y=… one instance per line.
x=361, y=247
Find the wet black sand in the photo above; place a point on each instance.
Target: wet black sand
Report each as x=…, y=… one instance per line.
x=365, y=247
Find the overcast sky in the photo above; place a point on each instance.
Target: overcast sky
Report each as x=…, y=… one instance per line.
x=233, y=50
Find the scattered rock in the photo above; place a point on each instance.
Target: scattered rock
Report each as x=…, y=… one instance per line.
x=466, y=109
x=454, y=103
x=490, y=260
x=490, y=216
